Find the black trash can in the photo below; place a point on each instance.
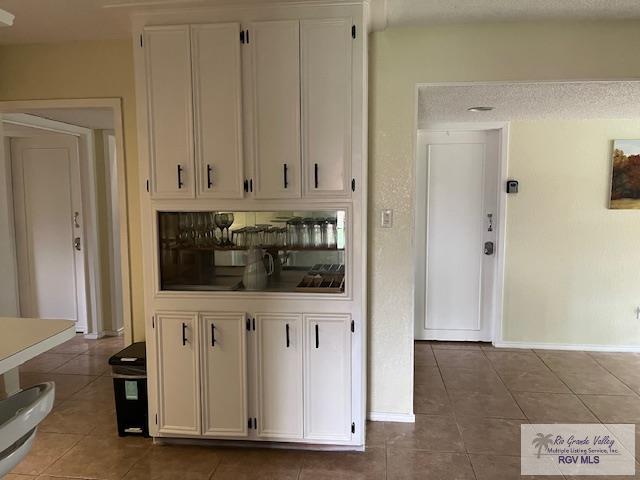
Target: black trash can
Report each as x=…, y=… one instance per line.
x=129, y=372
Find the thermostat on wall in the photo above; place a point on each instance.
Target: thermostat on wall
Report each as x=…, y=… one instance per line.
x=512, y=186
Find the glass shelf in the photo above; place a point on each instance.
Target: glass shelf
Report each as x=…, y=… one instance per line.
x=296, y=251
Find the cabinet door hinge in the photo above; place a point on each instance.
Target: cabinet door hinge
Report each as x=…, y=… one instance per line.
x=353, y=184
x=141, y=41
x=353, y=428
x=353, y=31
x=353, y=326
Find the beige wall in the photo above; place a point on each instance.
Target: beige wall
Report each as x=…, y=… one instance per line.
x=84, y=70
x=573, y=270
x=401, y=58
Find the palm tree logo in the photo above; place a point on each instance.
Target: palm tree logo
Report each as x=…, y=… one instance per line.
x=542, y=441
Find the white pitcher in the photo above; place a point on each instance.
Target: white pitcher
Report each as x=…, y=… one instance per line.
x=255, y=272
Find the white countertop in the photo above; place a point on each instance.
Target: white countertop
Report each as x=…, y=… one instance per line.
x=21, y=339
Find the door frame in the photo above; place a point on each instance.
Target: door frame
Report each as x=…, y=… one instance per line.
x=12, y=109
x=497, y=297
x=112, y=227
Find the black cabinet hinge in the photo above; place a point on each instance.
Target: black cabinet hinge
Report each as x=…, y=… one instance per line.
x=353, y=184
x=353, y=428
x=353, y=326
x=353, y=31
x=141, y=41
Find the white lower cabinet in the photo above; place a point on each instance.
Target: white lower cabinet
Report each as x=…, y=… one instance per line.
x=224, y=374
x=279, y=374
x=177, y=341
x=302, y=372
x=327, y=377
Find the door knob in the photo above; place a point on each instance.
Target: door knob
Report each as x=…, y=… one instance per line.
x=76, y=243
x=488, y=248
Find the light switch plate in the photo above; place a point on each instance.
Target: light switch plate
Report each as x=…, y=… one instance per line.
x=386, y=219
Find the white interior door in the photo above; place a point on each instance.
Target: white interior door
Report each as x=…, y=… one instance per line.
x=460, y=181
x=48, y=216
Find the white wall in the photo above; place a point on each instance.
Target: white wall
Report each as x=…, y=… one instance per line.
x=9, y=287
x=572, y=265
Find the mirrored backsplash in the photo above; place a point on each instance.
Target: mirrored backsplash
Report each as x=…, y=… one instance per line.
x=285, y=251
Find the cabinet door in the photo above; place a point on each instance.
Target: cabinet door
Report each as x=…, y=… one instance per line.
x=279, y=367
x=224, y=374
x=325, y=47
x=275, y=79
x=215, y=51
x=327, y=377
x=168, y=72
x=177, y=340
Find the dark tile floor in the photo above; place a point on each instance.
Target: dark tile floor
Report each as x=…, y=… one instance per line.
x=470, y=400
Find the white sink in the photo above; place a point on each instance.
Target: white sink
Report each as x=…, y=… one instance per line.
x=20, y=415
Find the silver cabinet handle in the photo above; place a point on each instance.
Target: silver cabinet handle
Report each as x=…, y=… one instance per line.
x=76, y=243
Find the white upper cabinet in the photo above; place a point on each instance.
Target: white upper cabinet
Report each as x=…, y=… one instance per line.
x=170, y=113
x=275, y=106
x=215, y=52
x=224, y=374
x=327, y=377
x=279, y=371
x=177, y=344
x=325, y=56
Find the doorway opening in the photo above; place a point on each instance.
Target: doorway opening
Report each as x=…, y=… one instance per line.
x=66, y=237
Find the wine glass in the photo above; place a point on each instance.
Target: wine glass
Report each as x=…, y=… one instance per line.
x=224, y=221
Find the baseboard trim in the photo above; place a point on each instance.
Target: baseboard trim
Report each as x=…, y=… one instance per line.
x=391, y=417
x=568, y=346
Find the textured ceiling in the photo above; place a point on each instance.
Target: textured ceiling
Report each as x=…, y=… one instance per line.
x=528, y=101
x=66, y=20
x=426, y=12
